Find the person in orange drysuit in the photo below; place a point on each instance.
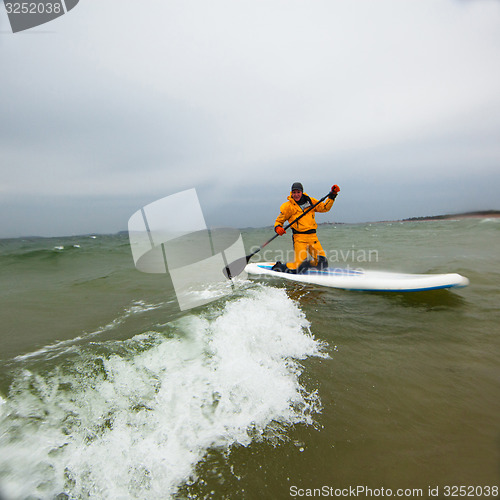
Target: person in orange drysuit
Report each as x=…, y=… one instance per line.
x=305, y=240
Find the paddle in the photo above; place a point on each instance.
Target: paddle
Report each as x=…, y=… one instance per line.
x=232, y=270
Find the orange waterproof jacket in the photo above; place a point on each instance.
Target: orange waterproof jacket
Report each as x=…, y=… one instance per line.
x=290, y=210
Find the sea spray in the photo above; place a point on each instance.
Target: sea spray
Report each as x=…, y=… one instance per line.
x=134, y=423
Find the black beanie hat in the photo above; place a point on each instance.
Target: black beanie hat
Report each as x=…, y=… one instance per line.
x=297, y=185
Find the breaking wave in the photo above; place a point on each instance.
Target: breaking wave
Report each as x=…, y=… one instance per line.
x=132, y=419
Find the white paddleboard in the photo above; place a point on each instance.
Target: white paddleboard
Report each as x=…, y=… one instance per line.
x=353, y=279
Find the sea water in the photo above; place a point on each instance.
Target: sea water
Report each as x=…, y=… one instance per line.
x=108, y=390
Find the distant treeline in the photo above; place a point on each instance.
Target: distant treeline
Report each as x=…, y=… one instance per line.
x=482, y=213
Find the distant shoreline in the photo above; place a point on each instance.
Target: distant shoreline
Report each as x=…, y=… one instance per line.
x=481, y=214
x=464, y=215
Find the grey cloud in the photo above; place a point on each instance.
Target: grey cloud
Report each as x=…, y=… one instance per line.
x=239, y=99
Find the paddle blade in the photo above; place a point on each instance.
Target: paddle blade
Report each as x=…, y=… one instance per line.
x=236, y=267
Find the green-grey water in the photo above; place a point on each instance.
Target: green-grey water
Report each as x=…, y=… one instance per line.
x=278, y=389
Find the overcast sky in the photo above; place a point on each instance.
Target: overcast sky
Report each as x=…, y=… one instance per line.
x=119, y=103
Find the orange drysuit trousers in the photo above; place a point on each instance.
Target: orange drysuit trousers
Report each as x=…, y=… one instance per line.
x=304, y=245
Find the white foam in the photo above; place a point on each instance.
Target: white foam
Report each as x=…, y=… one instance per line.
x=137, y=427
x=209, y=292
